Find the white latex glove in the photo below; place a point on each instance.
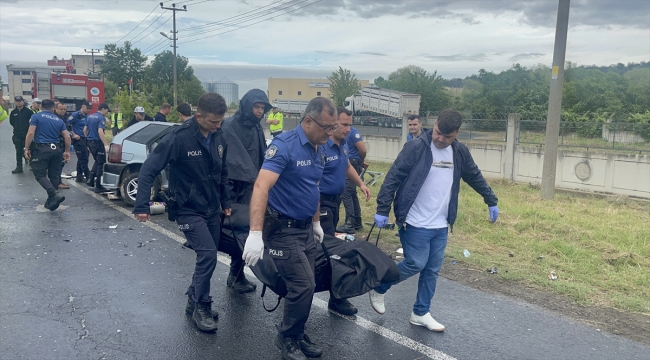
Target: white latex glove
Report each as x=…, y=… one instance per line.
x=318, y=232
x=254, y=248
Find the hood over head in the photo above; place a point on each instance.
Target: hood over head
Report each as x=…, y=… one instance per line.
x=246, y=103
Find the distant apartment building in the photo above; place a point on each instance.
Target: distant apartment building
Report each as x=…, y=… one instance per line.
x=300, y=89
x=224, y=87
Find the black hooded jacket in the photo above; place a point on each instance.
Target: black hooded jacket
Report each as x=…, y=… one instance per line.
x=245, y=139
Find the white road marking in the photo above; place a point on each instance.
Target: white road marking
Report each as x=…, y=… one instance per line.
x=321, y=304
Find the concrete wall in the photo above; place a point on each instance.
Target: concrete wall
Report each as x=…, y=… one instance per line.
x=625, y=174
x=308, y=88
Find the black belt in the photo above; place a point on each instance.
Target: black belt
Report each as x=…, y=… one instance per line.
x=46, y=144
x=330, y=198
x=293, y=223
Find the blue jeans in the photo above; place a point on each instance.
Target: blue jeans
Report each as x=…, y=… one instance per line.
x=424, y=251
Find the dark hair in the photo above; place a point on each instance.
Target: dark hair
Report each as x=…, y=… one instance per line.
x=415, y=117
x=449, y=120
x=319, y=104
x=165, y=106
x=342, y=110
x=56, y=100
x=47, y=104
x=185, y=109
x=211, y=103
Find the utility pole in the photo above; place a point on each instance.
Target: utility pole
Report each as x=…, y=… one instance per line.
x=174, y=38
x=92, y=55
x=555, y=102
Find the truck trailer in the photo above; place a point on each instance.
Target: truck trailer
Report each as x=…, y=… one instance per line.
x=291, y=107
x=381, y=107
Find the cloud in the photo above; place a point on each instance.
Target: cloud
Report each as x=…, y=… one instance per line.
x=456, y=57
x=525, y=56
x=534, y=12
x=373, y=53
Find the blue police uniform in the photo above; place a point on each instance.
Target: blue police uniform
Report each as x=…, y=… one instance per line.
x=293, y=201
x=198, y=185
x=94, y=122
x=77, y=122
x=349, y=195
x=46, y=149
x=332, y=184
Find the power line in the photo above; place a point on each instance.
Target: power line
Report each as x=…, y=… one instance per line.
x=157, y=43
x=250, y=17
x=206, y=37
x=157, y=49
x=152, y=31
x=127, y=34
x=145, y=29
x=230, y=18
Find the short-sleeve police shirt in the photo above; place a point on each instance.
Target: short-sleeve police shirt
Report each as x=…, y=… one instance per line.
x=48, y=127
x=78, y=121
x=94, y=122
x=352, y=139
x=336, y=164
x=294, y=158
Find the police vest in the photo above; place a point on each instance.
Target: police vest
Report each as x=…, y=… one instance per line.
x=3, y=114
x=117, y=120
x=277, y=116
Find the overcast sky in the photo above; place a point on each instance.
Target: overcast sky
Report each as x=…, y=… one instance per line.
x=456, y=38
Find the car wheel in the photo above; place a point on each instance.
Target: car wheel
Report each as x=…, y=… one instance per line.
x=129, y=188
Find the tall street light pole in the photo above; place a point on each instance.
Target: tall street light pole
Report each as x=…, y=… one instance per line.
x=174, y=38
x=555, y=102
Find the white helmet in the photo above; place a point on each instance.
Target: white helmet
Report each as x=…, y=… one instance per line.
x=139, y=109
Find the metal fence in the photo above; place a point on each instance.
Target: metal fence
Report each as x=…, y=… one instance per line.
x=595, y=135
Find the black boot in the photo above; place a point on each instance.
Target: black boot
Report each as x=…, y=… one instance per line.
x=189, y=309
x=80, y=179
x=239, y=282
x=99, y=188
x=358, y=224
x=17, y=170
x=309, y=348
x=91, y=180
x=342, y=306
x=54, y=199
x=290, y=348
x=348, y=227
x=202, y=316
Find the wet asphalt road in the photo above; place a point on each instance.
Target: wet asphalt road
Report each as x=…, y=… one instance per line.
x=73, y=288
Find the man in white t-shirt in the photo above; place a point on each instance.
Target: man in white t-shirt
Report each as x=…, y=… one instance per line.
x=423, y=183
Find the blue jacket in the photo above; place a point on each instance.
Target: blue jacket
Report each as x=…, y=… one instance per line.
x=410, y=169
x=198, y=175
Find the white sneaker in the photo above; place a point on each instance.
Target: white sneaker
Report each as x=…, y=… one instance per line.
x=377, y=301
x=427, y=321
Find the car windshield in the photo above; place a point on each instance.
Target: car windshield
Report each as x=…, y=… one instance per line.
x=148, y=133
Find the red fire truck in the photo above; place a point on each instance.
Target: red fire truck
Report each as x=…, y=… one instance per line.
x=70, y=89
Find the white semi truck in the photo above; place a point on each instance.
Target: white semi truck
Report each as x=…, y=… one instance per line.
x=291, y=107
x=381, y=107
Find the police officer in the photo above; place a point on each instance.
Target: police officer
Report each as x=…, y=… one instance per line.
x=198, y=181
x=337, y=169
x=44, y=130
x=97, y=143
x=19, y=118
x=77, y=122
x=357, y=153
x=285, y=200
x=60, y=110
x=116, y=121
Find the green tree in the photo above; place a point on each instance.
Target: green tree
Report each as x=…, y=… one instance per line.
x=110, y=91
x=415, y=80
x=343, y=83
x=123, y=63
x=160, y=79
x=128, y=103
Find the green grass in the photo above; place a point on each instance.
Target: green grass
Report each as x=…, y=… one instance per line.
x=598, y=247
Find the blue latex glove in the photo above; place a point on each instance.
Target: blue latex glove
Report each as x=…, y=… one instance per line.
x=381, y=220
x=494, y=213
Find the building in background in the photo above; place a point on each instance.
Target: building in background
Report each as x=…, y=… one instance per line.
x=224, y=87
x=300, y=89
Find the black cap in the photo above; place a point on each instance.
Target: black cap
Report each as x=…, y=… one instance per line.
x=87, y=103
x=18, y=98
x=103, y=106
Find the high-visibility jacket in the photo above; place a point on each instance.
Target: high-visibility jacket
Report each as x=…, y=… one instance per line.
x=277, y=116
x=3, y=114
x=34, y=111
x=116, y=120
